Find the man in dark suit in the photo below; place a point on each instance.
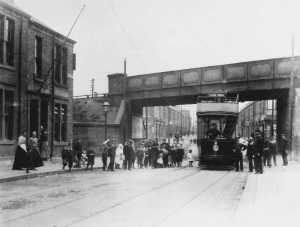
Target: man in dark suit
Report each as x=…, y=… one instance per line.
x=213, y=132
x=128, y=153
x=258, y=152
x=250, y=153
x=105, y=154
x=111, y=154
x=283, y=143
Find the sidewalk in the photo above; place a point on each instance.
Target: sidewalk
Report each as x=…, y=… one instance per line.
x=49, y=168
x=272, y=198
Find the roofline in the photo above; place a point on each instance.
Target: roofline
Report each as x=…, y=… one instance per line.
x=15, y=8
x=43, y=26
x=35, y=21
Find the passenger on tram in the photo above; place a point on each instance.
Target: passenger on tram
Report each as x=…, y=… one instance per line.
x=213, y=132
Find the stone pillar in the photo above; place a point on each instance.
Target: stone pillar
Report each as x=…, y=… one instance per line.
x=283, y=115
x=296, y=125
x=126, y=123
x=137, y=122
x=132, y=123
x=116, y=83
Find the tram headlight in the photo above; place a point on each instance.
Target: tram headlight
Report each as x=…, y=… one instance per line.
x=215, y=147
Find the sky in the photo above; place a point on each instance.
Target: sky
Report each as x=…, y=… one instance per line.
x=161, y=35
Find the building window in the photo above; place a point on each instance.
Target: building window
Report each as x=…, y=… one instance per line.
x=57, y=64
x=6, y=114
x=7, y=38
x=10, y=33
x=63, y=122
x=38, y=55
x=60, y=122
x=2, y=39
x=61, y=64
x=64, y=65
x=74, y=61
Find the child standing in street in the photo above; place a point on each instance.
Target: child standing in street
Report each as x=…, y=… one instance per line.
x=190, y=158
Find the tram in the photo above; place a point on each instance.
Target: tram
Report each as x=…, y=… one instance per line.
x=217, y=117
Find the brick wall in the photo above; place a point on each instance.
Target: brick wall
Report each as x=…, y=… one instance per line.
x=92, y=136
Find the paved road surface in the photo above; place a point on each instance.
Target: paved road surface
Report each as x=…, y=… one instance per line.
x=142, y=197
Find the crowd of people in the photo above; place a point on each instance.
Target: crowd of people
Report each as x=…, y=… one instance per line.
x=261, y=152
x=146, y=154
x=258, y=150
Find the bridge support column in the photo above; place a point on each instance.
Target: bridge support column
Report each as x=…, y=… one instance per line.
x=288, y=120
x=137, y=122
x=126, y=123
x=296, y=125
x=133, y=121
x=284, y=115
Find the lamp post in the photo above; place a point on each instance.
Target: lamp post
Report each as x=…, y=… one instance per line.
x=106, y=107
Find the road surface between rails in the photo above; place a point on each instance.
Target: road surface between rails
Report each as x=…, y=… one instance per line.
x=144, y=197
x=149, y=197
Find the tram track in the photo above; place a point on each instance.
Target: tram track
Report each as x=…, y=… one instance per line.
x=151, y=191
x=196, y=196
x=92, y=179
x=94, y=190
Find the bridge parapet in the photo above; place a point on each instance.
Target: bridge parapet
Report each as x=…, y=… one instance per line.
x=221, y=74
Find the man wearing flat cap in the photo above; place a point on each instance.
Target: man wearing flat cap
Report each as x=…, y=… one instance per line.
x=128, y=153
x=105, y=154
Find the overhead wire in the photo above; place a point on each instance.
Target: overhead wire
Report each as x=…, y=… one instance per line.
x=126, y=33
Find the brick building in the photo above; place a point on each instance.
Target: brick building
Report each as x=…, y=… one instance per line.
x=165, y=121
x=258, y=115
x=35, y=63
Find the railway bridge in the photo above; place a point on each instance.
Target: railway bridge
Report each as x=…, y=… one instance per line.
x=254, y=80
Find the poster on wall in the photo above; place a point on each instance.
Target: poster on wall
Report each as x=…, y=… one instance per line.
x=137, y=127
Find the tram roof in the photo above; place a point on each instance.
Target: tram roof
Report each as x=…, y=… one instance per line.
x=219, y=108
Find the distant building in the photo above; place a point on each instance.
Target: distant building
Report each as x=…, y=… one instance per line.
x=165, y=122
x=258, y=115
x=89, y=121
x=33, y=60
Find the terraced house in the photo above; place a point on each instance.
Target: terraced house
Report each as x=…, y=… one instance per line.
x=36, y=79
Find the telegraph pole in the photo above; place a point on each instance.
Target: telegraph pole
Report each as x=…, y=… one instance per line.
x=146, y=110
x=292, y=95
x=52, y=99
x=181, y=121
x=92, y=87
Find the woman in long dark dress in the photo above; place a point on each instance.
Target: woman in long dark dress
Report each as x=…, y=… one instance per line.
x=34, y=151
x=22, y=156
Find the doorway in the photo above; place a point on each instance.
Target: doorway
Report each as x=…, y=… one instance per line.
x=39, y=112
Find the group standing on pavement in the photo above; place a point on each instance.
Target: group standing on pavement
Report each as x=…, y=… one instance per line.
x=261, y=152
x=146, y=154
x=27, y=157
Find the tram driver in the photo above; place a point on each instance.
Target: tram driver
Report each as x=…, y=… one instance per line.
x=213, y=132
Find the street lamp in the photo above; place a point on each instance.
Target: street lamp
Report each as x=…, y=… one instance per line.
x=106, y=107
x=262, y=119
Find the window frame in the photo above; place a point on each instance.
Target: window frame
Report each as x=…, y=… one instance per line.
x=7, y=41
x=61, y=66
x=38, y=56
x=10, y=41
x=3, y=114
x=2, y=29
x=58, y=135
